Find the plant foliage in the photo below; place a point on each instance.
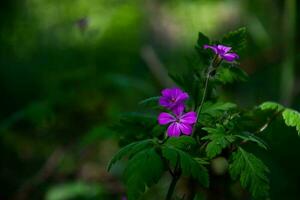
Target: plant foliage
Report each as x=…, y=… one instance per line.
x=251, y=172
x=220, y=130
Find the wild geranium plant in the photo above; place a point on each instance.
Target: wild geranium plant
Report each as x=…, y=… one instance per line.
x=190, y=129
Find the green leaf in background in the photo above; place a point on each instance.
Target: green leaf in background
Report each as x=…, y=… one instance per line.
x=268, y=105
x=246, y=136
x=130, y=150
x=214, y=109
x=199, y=196
x=190, y=83
x=236, y=39
x=251, y=172
x=135, y=126
x=143, y=170
x=218, y=140
x=202, y=40
x=74, y=190
x=182, y=142
x=188, y=165
x=205, y=56
x=292, y=118
x=229, y=74
x=151, y=102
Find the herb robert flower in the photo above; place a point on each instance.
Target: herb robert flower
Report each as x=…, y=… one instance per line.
x=223, y=52
x=179, y=122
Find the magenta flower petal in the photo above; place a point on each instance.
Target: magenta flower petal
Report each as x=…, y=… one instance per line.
x=165, y=118
x=174, y=129
x=223, y=52
x=178, y=110
x=164, y=101
x=223, y=49
x=180, y=122
x=186, y=129
x=167, y=92
x=188, y=118
x=230, y=57
x=182, y=97
x=172, y=97
x=214, y=48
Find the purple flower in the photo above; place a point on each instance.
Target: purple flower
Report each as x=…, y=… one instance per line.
x=223, y=52
x=172, y=98
x=179, y=123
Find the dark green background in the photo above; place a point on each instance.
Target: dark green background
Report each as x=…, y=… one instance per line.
x=69, y=68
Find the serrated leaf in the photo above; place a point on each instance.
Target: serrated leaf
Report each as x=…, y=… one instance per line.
x=235, y=39
x=182, y=142
x=188, y=165
x=130, y=150
x=251, y=172
x=143, y=170
x=292, y=118
x=218, y=140
x=214, y=109
x=252, y=138
x=229, y=74
x=268, y=105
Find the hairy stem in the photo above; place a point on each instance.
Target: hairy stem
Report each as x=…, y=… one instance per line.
x=204, y=94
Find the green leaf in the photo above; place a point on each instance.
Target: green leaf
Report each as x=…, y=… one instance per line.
x=268, y=105
x=218, y=140
x=142, y=171
x=178, y=79
x=189, y=165
x=236, y=39
x=135, y=126
x=75, y=190
x=292, y=118
x=246, y=136
x=199, y=196
x=202, y=40
x=130, y=150
x=204, y=55
x=151, y=102
x=229, y=74
x=251, y=172
x=215, y=109
x=190, y=83
x=182, y=142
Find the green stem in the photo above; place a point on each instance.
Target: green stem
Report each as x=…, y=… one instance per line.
x=213, y=66
x=172, y=187
x=204, y=94
x=268, y=122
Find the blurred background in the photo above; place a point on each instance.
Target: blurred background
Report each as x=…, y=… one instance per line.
x=69, y=68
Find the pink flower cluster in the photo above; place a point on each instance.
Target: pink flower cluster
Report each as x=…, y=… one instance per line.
x=179, y=122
